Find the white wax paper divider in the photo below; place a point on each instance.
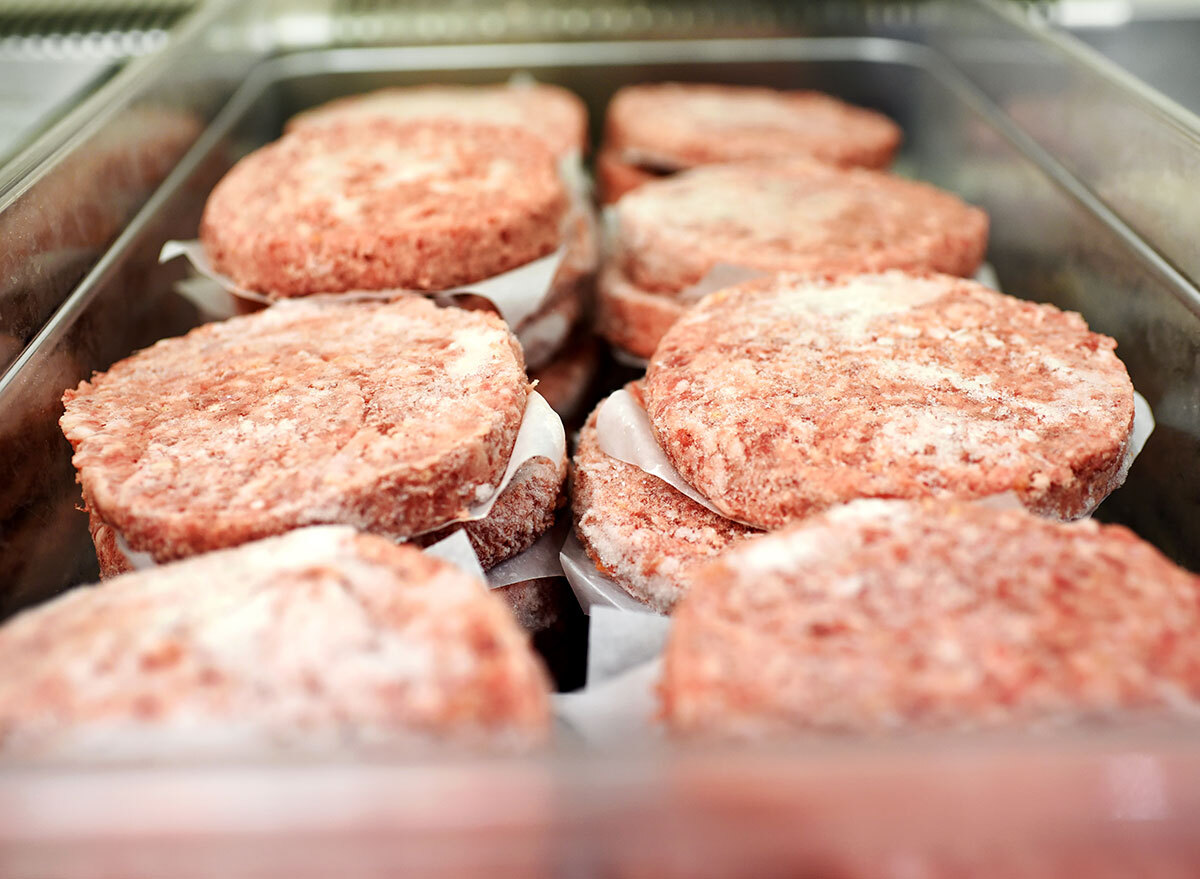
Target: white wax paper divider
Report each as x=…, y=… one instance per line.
x=212, y=300
x=624, y=433
x=536, y=563
x=619, y=640
x=139, y=561
x=720, y=276
x=457, y=550
x=575, y=178
x=1143, y=426
x=541, y=435
x=631, y=360
x=615, y=713
x=516, y=294
x=986, y=275
x=592, y=589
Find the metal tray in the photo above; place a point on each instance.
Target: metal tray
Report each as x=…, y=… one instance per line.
x=1052, y=240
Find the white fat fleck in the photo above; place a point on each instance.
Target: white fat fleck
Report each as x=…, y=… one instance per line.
x=472, y=350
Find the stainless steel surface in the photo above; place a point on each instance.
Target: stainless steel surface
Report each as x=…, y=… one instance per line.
x=1052, y=238
x=33, y=91
x=64, y=200
x=67, y=30
x=66, y=195
x=1133, y=149
x=1162, y=51
x=1056, y=237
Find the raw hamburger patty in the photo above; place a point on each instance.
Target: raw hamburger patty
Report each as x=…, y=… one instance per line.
x=630, y=318
x=320, y=640
x=639, y=531
x=781, y=397
x=615, y=177
x=792, y=216
x=380, y=204
x=677, y=125
x=522, y=513
x=544, y=333
x=392, y=417
x=887, y=615
x=556, y=116
x=538, y=605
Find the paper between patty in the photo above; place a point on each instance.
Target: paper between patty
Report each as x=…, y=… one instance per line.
x=517, y=293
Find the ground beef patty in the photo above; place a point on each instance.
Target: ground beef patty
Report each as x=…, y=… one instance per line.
x=792, y=216
x=771, y=216
x=670, y=126
x=321, y=640
x=523, y=512
x=393, y=417
x=615, y=177
x=881, y=616
x=638, y=530
x=779, y=398
x=553, y=114
x=379, y=204
x=632, y=319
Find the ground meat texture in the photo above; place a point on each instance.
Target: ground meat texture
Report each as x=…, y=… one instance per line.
x=884, y=616
x=779, y=398
x=321, y=641
x=637, y=529
x=554, y=115
x=392, y=417
x=523, y=512
x=378, y=204
x=688, y=124
x=630, y=318
x=791, y=216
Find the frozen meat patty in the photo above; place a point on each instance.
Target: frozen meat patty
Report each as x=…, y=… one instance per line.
x=323, y=640
x=671, y=126
x=769, y=217
x=392, y=417
x=882, y=616
x=631, y=319
x=792, y=216
x=781, y=397
x=554, y=115
x=380, y=204
x=523, y=513
x=638, y=530
x=615, y=176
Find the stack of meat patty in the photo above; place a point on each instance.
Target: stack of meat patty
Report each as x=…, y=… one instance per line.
x=850, y=473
